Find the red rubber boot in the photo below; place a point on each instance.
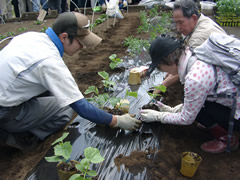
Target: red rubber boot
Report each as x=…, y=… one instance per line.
x=219, y=144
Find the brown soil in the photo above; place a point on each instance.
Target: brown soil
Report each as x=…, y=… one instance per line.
x=174, y=140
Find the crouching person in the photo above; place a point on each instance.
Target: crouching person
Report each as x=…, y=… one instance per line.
x=32, y=64
x=199, y=81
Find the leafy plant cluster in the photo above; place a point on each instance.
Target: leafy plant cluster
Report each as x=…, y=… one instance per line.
x=62, y=153
x=43, y=29
x=154, y=22
x=91, y=156
x=144, y=27
x=135, y=45
x=62, y=150
x=115, y=61
x=7, y=35
x=99, y=20
x=37, y=22
x=145, y=18
x=161, y=88
x=161, y=26
x=21, y=29
x=154, y=11
x=228, y=8
x=101, y=99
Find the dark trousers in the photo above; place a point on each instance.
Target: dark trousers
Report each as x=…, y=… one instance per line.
x=214, y=113
x=55, y=5
x=16, y=8
x=41, y=116
x=79, y=3
x=64, y=6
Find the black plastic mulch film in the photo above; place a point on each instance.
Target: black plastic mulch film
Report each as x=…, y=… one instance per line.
x=111, y=142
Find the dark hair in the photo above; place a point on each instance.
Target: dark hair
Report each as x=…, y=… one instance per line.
x=188, y=7
x=71, y=37
x=172, y=57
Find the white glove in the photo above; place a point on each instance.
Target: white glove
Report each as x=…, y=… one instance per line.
x=164, y=108
x=149, y=115
x=125, y=3
x=126, y=122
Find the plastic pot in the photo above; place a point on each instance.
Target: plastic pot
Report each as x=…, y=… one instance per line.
x=63, y=174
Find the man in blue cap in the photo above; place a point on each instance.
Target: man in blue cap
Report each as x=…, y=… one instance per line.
x=31, y=64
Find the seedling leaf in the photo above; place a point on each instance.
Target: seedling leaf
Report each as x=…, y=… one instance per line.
x=65, y=134
x=82, y=165
x=92, y=89
x=76, y=177
x=64, y=150
x=93, y=155
x=53, y=159
x=104, y=75
x=113, y=56
x=92, y=173
x=162, y=88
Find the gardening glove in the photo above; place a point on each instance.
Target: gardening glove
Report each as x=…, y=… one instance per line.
x=149, y=115
x=126, y=122
x=125, y=3
x=164, y=108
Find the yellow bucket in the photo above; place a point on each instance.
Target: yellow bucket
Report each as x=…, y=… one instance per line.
x=190, y=163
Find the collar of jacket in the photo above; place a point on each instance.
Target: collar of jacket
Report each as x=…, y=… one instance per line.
x=52, y=35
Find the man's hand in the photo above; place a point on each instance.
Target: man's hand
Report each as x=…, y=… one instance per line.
x=126, y=122
x=149, y=115
x=164, y=108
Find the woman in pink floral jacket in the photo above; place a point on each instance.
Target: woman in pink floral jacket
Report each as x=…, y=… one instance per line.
x=199, y=81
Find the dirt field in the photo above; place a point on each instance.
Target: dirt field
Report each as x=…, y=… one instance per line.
x=174, y=140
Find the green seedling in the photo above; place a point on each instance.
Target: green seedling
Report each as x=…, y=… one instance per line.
x=107, y=83
x=154, y=11
x=92, y=156
x=131, y=93
x=22, y=29
x=10, y=34
x=228, y=8
x=114, y=61
x=118, y=102
x=3, y=37
x=144, y=27
x=161, y=88
x=101, y=19
x=62, y=150
x=43, y=29
x=37, y=22
x=99, y=99
x=162, y=26
x=135, y=45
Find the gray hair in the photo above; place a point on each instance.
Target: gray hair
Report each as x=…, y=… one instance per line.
x=188, y=7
